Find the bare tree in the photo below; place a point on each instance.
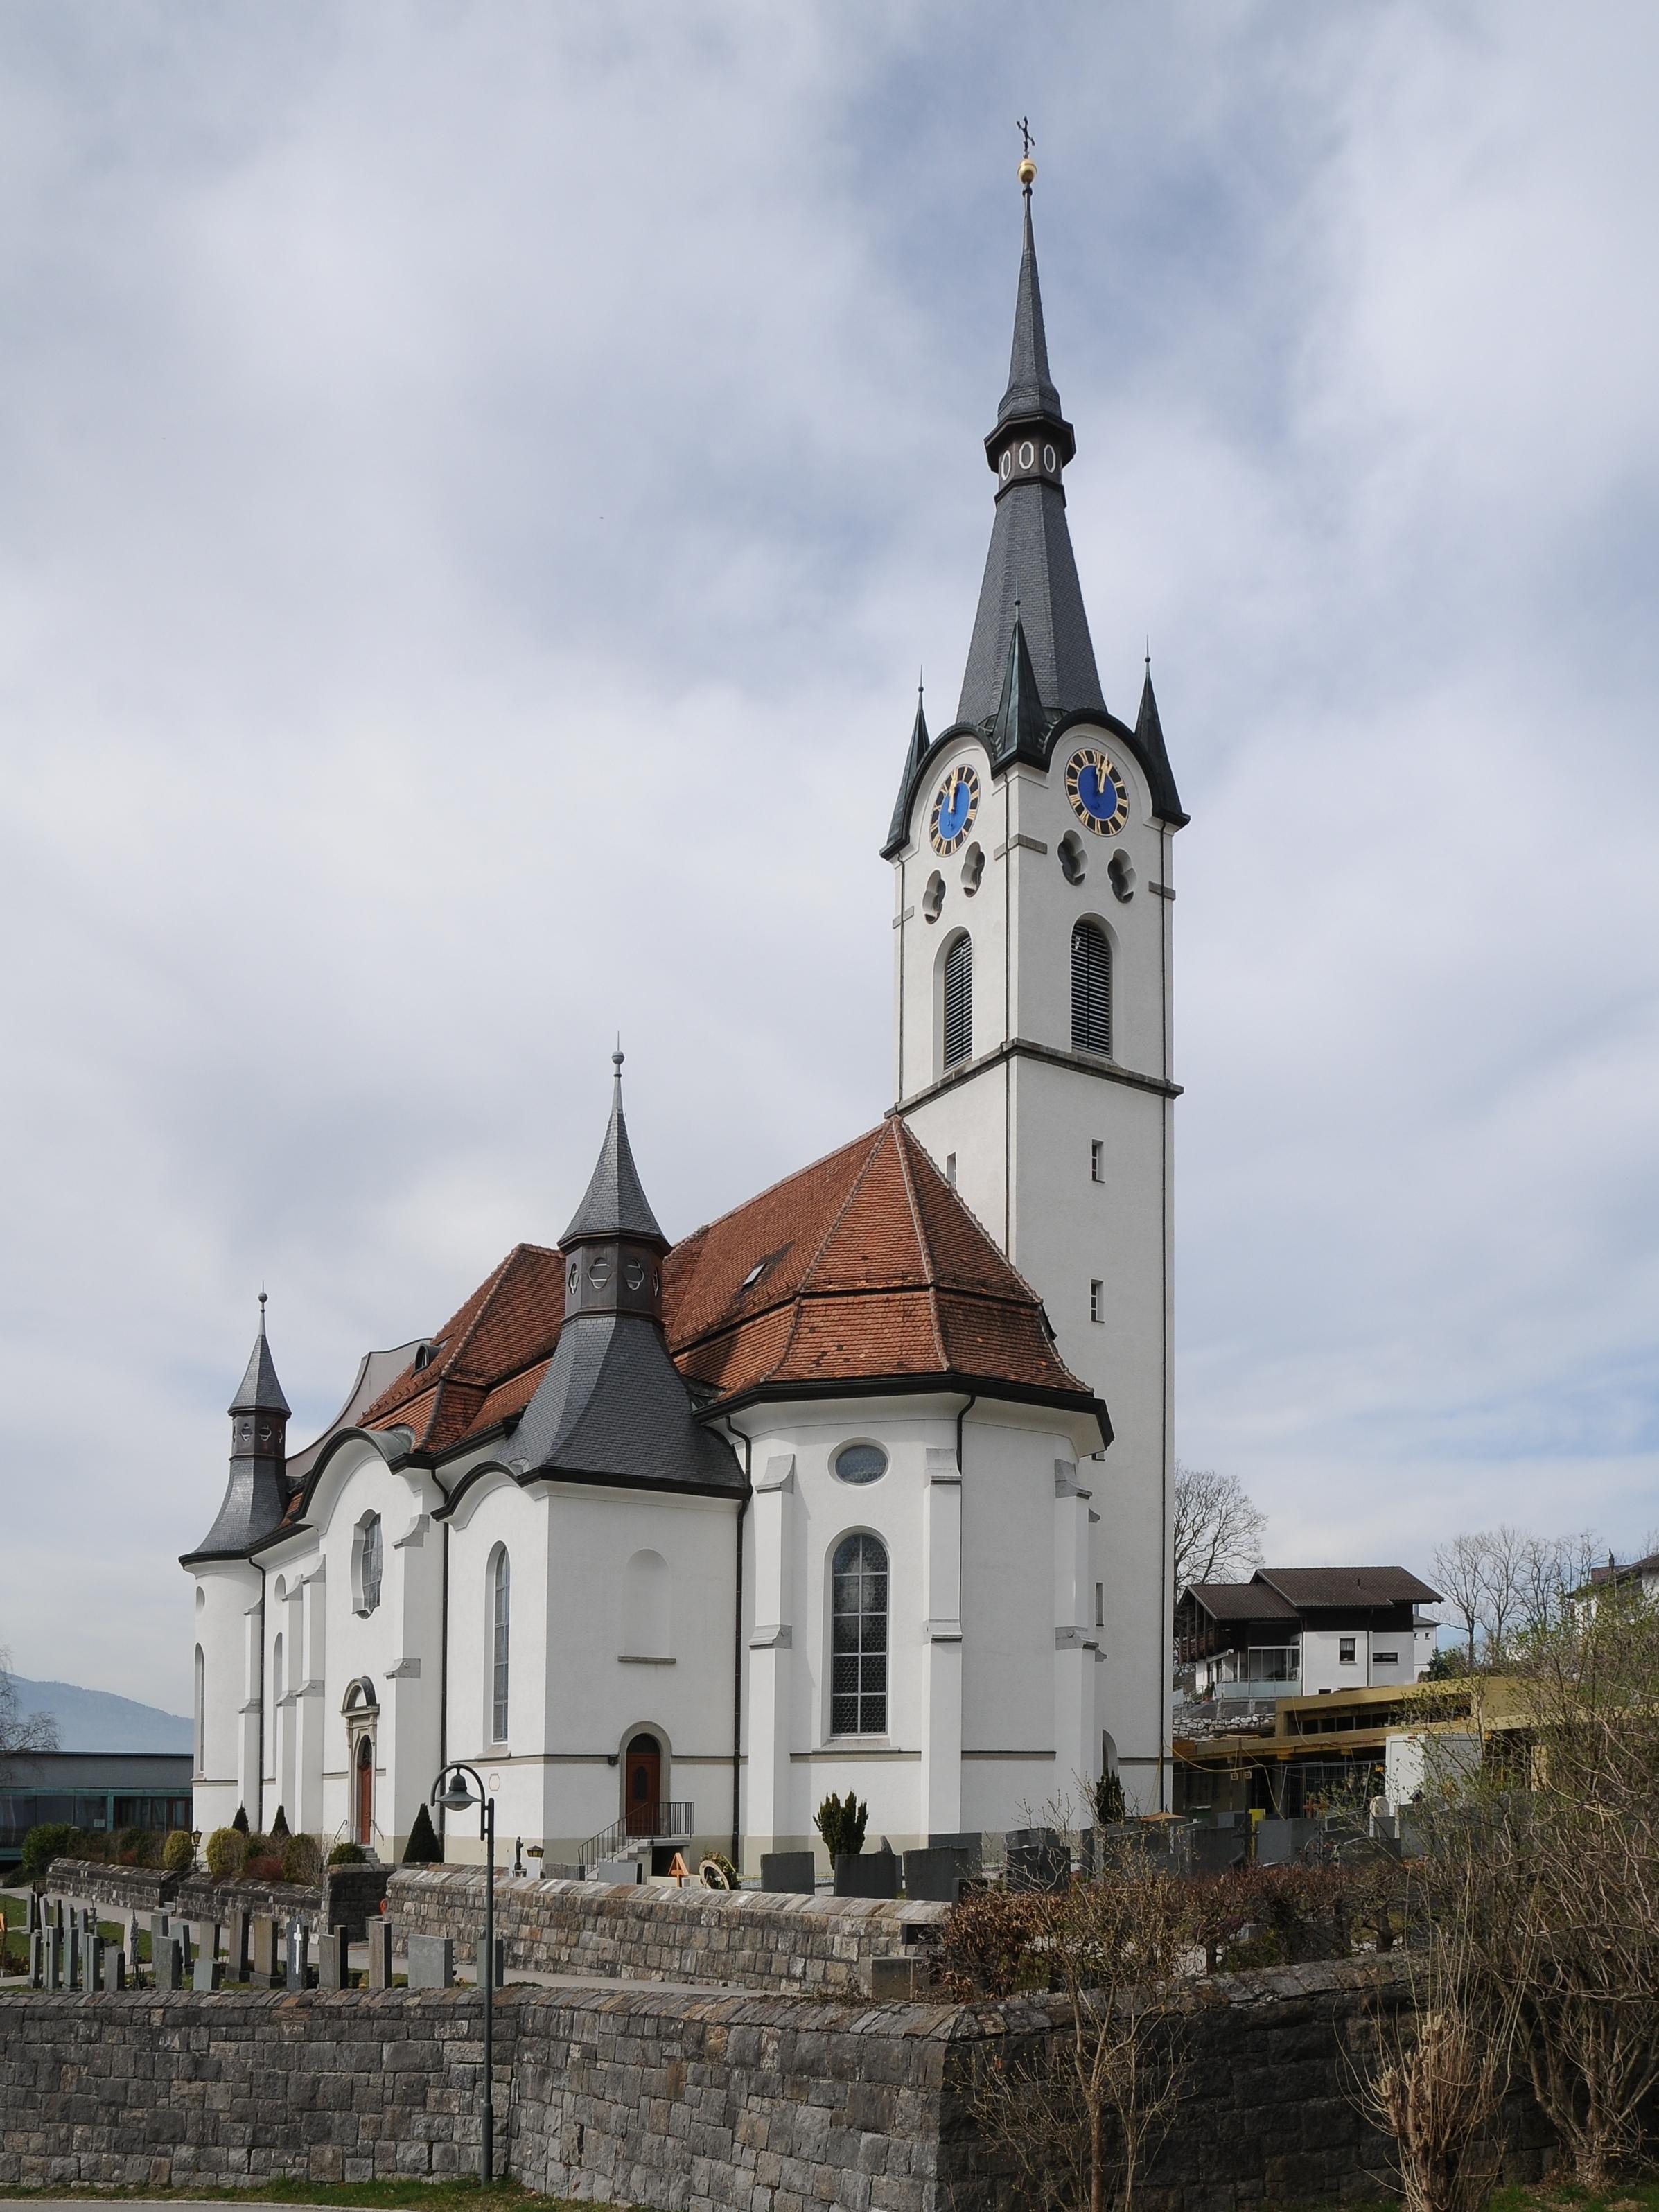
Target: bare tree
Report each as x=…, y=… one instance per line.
x=1502, y=1579
x=1460, y=1569
x=20, y=1734
x=1217, y=1531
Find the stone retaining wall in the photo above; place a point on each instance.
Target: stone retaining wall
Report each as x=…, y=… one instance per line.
x=679, y=2102
x=732, y=1939
x=347, y=1895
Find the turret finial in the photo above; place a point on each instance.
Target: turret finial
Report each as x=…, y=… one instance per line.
x=1027, y=166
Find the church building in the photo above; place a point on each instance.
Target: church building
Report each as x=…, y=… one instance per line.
x=671, y=1539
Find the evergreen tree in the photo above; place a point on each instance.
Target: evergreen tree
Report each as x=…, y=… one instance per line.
x=423, y=1848
x=240, y=1822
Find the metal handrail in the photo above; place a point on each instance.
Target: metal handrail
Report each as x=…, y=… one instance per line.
x=658, y=1822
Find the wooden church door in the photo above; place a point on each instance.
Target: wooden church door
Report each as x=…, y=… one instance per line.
x=364, y=1791
x=642, y=1785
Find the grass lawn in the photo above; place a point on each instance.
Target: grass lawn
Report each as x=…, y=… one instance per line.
x=1564, y=2196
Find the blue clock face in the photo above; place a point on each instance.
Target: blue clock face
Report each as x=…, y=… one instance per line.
x=954, y=809
x=1099, y=796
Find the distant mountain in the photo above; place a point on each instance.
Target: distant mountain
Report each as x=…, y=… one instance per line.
x=97, y=1720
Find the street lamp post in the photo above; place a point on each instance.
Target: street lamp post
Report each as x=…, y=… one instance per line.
x=455, y=1798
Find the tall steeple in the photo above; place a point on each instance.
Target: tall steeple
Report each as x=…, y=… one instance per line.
x=1031, y=558
x=255, y=1495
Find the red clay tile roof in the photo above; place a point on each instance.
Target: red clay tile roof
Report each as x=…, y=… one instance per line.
x=509, y=1325
x=870, y=1269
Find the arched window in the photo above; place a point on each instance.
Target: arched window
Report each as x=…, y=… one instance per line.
x=858, y=1639
x=1092, y=989
x=644, y=1606
x=959, y=1002
x=501, y=1600
x=277, y=1670
x=201, y=1711
x=370, y=1561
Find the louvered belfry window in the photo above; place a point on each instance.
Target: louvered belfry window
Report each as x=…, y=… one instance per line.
x=959, y=1002
x=858, y=1639
x=1092, y=989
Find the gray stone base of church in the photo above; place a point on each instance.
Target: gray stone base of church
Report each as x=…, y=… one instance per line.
x=758, y=2104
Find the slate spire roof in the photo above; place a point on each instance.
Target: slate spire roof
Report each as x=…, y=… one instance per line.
x=256, y=1493
x=611, y=1405
x=258, y=1391
x=913, y=757
x=1021, y=725
x=1154, y=755
x=615, y=1204
x=1030, y=557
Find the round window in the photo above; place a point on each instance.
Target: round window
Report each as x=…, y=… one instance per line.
x=599, y=1274
x=634, y=1275
x=860, y=1463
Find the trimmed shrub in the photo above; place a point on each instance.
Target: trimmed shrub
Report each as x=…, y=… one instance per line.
x=842, y=1822
x=348, y=1855
x=423, y=1848
x=240, y=1821
x=1106, y=1797
x=302, y=1860
x=263, y=1866
x=178, y=1852
x=279, y=1830
x=224, y=1853
x=55, y=1840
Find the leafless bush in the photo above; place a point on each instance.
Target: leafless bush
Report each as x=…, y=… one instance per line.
x=1076, y=2110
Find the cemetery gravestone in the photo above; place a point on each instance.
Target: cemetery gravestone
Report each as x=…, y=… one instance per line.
x=208, y=1974
x=431, y=1962
x=1037, y=1858
x=236, y=1945
x=788, y=1873
x=379, y=1955
x=500, y=1965
x=332, y=1960
x=115, y=1969
x=867, y=1874
x=165, y=1957
x=934, y=1875
x=263, y=1972
x=299, y=1955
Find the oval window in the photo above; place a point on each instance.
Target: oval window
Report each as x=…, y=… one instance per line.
x=860, y=1463
x=634, y=1275
x=599, y=1272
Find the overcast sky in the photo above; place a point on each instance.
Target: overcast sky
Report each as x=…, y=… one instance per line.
x=476, y=484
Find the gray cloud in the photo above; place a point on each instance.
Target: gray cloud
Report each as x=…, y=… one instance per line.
x=475, y=487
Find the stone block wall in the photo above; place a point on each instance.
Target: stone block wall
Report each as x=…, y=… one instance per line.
x=732, y=1939
x=349, y=1894
x=681, y=2102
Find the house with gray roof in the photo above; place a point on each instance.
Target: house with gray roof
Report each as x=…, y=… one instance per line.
x=1303, y=1632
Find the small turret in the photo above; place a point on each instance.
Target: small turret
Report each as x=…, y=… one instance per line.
x=255, y=1495
x=613, y=1247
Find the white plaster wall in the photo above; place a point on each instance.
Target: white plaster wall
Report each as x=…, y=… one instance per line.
x=1323, y=1669
x=225, y=1591
x=1021, y=1132
x=980, y=1555
x=575, y=1697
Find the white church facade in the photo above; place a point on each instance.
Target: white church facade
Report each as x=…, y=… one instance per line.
x=671, y=1540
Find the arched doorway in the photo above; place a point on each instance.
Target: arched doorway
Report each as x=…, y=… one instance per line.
x=641, y=1785
x=363, y=1828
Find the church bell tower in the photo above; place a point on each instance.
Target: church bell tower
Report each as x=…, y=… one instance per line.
x=1031, y=846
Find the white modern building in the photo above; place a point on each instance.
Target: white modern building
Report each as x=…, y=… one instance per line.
x=1303, y=1632
x=672, y=1538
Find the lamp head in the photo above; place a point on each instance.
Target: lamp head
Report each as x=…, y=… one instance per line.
x=457, y=1797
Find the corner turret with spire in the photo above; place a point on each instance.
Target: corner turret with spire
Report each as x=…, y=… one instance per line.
x=255, y=1495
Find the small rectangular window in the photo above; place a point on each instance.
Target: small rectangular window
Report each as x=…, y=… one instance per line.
x=1385, y=1658
x=1344, y=1650
x=1100, y=1605
x=1097, y=1159
x=950, y=1169
x=1096, y=1300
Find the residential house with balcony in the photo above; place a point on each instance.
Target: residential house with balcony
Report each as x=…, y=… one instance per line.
x=1301, y=1631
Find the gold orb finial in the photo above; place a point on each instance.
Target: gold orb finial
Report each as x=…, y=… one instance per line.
x=1027, y=172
